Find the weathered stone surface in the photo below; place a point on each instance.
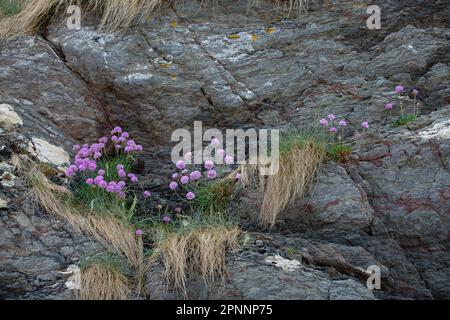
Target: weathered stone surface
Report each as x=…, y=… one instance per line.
x=387, y=206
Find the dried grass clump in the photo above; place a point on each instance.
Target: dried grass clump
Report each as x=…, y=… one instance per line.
x=301, y=154
x=115, y=14
x=100, y=282
x=202, y=251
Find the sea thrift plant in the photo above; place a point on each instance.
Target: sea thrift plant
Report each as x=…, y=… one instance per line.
x=105, y=166
x=404, y=118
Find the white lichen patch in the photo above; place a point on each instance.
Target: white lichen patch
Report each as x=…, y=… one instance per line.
x=48, y=153
x=437, y=130
x=9, y=119
x=285, y=264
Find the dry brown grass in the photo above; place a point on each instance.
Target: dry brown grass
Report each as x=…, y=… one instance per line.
x=100, y=282
x=298, y=168
x=300, y=158
x=115, y=14
x=113, y=234
x=200, y=251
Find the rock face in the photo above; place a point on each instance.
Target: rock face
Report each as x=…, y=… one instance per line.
x=387, y=206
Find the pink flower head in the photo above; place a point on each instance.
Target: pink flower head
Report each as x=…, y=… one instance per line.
x=238, y=176
x=331, y=117
x=76, y=147
x=175, y=176
x=324, y=122
x=221, y=152
x=121, y=195
x=415, y=92
x=120, y=167
x=343, y=123
x=166, y=219
x=122, y=173
x=229, y=160
x=101, y=172
x=188, y=156
x=92, y=166
x=110, y=189
x=121, y=184
x=98, y=179
x=133, y=178
x=173, y=185
x=333, y=130
x=139, y=232
x=103, y=184
x=118, y=147
x=209, y=165
x=365, y=125
x=195, y=175
x=125, y=135
x=181, y=165
x=399, y=89
x=215, y=142
x=389, y=106
x=97, y=155
x=184, y=180
x=147, y=194
x=190, y=196
x=116, y=130
x=90, y=181
x=103, y=140
x=115, y=139
x=177, y=210
x=212, y=174
x=138, y=148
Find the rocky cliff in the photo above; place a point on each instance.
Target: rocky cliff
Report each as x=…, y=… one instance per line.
x=388, y=204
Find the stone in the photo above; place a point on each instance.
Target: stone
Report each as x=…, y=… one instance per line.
x=49, y=153
x=9, y=119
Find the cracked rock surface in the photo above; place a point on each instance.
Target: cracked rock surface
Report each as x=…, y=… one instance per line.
x=388, y=205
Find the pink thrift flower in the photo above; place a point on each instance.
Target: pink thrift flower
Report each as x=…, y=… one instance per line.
x=139, y=148
x=215, y=142
x=389, y=106
x=238, y=176
x=121, y=195
x=181, y=165
x=190, y=196
x=121, y=184
x=110, y=189
x=125, y=135
x=175, y=176
x=343, y=123
x=134, y=179
x=115, y=139
x=147, y=194
x=184, y=180
x=333, y=130
x=209, y=165
x=399, y=89
x=195, y=175
x=415, y=92
x=177, y=210
x=120, y=167
x=324, y=122
x=221, y=152
x=101, y=172
x=122, y=173
x=97, y=155
x=212, y=174
x=229, y=160
x=116, y=130
x=188, y=156
x=331, y=117
x=173, y=185
x=166, y=219
x=103, y=140
x=139, y=232
x=365, y=125
x=90, y=181
x=76, y=147
x=103, y=184
x=98, y=179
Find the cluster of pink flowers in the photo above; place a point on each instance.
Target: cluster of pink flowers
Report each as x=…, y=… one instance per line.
x=329, y=121
x=399, y=91
x=87, y=163
x=183, y=177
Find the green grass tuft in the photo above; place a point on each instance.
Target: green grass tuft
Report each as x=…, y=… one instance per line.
x=403, y=120
x=338, y=151
x=10, y=7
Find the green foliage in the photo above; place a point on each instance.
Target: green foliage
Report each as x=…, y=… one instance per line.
x=337, y=151
x=214, y=197
x=106, y=260
x=403, y=120
x=295, y=137
x=10, y=7
x=101, y=201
